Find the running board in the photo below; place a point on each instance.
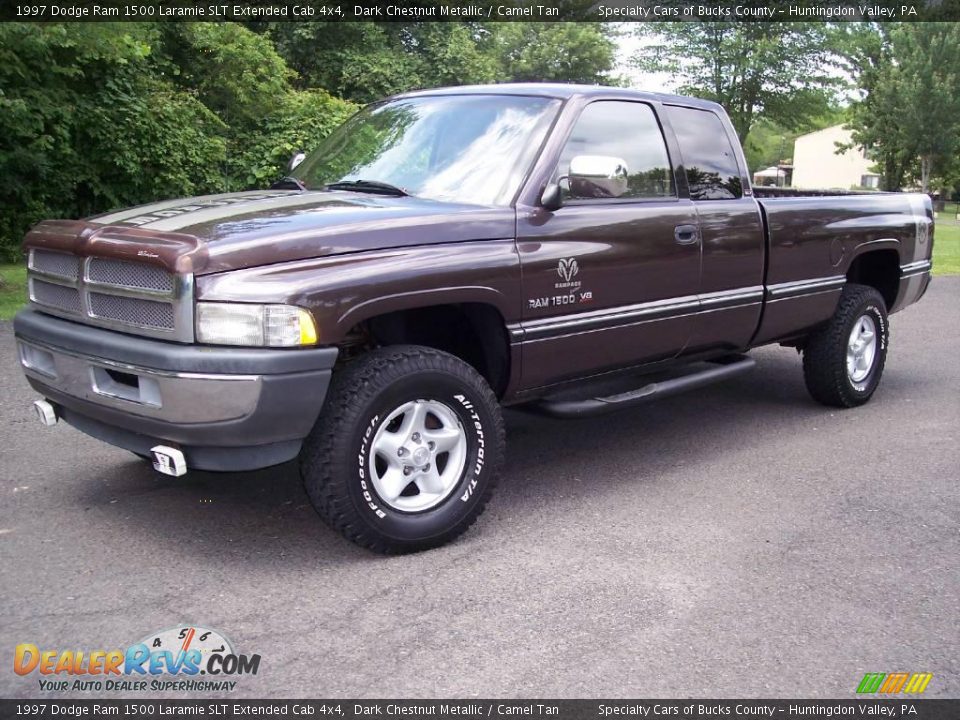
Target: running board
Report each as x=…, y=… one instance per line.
x=654, y=391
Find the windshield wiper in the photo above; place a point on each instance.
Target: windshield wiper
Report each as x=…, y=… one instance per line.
x=374, y=186
x=288, y=183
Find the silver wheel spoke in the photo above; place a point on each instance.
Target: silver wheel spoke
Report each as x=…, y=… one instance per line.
x=431, y=482
x=393, y=483
x=444, y=439
x=413, y=420
x=388, y=445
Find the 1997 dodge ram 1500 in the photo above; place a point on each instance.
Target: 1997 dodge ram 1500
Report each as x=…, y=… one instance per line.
x=445, y=252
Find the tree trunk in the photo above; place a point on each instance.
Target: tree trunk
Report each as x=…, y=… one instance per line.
x=891, y=176
x=926, y=165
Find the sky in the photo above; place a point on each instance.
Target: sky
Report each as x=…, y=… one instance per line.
x=627, y=45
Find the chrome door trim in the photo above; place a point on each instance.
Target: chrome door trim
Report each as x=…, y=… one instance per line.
x=781, y=291
x=641, y=312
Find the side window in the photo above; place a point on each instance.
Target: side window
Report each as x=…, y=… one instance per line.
x=708, y=156
x=627, y=132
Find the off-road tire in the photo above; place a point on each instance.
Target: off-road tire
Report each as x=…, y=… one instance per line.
x=825, y=354
x=336, y=460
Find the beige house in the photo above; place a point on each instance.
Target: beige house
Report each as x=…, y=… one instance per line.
x=816, y=163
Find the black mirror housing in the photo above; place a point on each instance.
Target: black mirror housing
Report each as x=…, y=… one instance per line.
x=552, y=198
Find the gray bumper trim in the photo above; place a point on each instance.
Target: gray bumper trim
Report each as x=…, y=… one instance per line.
x=211, y=458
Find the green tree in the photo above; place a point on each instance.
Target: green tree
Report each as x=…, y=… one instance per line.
x=95, y=116
x=875, y=118
x=909, y=110
x=236, y=73
x=768, y=144
x=776, y=70
x=363, y=62
x=86, y=124
x=299, y=120
x=366, y=61
x=581, y=52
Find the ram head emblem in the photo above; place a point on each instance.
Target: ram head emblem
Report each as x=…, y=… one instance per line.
x=568, y=269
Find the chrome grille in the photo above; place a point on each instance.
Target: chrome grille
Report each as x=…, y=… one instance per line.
x=131, y=275
x=55, y=263
x=60, y=297
x=133, y=311
x=119, y=294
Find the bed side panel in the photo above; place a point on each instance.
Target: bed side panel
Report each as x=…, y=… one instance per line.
x=812, y=242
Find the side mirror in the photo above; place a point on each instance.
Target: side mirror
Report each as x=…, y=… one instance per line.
x=296, y=159
x=598, y=176
x=552, y=198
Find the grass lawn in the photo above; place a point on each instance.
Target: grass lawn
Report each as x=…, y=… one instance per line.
x=946, y=249
x=13, y=278
x=950, y=211
x=13, y=289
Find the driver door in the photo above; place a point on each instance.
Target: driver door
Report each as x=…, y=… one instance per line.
x=610, y=278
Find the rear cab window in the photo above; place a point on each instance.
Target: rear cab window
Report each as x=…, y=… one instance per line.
x=709, y=159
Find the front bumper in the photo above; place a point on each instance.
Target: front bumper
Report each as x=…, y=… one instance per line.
x=224, y=408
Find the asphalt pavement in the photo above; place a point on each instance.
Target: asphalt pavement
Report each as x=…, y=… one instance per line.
x=740, y=541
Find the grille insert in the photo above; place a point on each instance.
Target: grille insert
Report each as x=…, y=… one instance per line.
x=55, y=263
x=129, y=275
x=132, y=311
x=55, y=296
x=122, y=295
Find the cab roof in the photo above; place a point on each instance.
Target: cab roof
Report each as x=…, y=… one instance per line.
x=565, y=91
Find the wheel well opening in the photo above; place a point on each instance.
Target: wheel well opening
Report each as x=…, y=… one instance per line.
x=880, y=269
x=474, y=332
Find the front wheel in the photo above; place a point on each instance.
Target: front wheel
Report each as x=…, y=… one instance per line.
x=843, y=360
x=406, y=451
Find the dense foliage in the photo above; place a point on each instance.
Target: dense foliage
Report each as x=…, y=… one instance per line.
x=777, y=70
x=95, y=116
x=908, y=112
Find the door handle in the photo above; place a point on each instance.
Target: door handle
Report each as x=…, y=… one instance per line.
x=685, y=234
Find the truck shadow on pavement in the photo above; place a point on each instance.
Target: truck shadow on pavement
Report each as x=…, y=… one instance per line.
x=266, y=516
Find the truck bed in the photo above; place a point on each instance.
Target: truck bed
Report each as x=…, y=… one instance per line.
x=814, y=239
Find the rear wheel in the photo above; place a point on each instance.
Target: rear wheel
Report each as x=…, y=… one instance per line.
x=843, y=361
x=406, y=451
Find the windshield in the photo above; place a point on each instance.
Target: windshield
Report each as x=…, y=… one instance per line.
x=460, y=148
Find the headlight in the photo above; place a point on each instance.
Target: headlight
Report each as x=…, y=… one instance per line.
x=246, y=324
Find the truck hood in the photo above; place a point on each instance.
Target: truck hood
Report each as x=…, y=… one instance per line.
x=219, y=233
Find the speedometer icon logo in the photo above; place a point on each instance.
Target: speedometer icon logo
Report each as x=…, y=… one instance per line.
x=184, y=638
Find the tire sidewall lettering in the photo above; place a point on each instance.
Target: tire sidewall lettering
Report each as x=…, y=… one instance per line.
x=365, y=489
x=473, y=478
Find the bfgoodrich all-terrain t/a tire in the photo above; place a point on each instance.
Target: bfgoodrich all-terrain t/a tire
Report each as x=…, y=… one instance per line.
x=843, y=360
x=406, y=451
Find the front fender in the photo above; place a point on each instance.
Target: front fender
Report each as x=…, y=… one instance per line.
x=344, y=290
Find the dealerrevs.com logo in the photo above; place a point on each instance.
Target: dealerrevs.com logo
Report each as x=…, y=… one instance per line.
x=185, y=658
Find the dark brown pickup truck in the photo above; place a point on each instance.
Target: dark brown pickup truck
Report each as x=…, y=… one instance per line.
x=573, y=250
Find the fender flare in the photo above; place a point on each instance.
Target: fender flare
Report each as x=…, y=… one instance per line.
x=384, y=304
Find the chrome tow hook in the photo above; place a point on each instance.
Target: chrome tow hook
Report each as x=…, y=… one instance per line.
x=168, y=460
x=46, y=412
